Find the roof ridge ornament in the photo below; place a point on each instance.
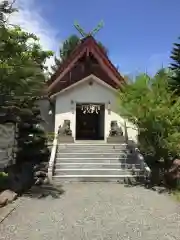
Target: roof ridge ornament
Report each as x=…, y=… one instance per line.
x=92, y=33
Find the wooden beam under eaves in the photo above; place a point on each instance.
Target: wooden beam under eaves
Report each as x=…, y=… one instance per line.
x=66, y=70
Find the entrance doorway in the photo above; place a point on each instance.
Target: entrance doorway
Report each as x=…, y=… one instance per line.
x=90, y=121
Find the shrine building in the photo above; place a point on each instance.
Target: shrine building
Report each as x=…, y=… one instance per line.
x=84, y=93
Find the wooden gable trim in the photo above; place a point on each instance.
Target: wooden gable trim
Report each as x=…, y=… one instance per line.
x=62, y=84
x=106, y=60
x=90, y=77
x=106, y=69
x=66, y=70
x=88, y=45
x=65, y=64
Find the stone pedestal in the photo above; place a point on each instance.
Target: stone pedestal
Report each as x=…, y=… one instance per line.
x=65, y=139
x=116, y=139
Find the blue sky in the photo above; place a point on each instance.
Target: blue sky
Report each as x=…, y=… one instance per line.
x=138, y=34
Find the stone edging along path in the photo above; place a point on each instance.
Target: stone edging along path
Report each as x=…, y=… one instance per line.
x=8, y=209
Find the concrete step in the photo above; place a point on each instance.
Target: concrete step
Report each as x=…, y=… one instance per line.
x=92, y=143
x=90, y=165
x=90, y=178
x=93, y=171
x=92, y=147
x=91, y=155
x=89, y=160
x=95, y=149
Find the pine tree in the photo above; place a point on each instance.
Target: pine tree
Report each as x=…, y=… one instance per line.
x=22, y=79
x=67, y=48
x=31, y=138
x=175, y=67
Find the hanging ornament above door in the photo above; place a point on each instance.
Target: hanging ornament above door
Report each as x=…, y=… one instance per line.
x=91, y=108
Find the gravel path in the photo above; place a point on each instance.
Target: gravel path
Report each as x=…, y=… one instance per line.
x=95, y=211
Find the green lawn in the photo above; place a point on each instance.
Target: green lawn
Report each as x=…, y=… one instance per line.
x=176, y=195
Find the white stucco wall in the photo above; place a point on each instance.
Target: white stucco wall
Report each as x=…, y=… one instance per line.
x=84, y=93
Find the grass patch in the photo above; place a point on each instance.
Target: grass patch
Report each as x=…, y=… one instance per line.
x=176, y=195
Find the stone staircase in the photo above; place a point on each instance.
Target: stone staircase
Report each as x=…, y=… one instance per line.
x=92, y=162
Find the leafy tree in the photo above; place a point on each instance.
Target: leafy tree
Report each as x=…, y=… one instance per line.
x=6, y=8
x=67, y=48
x=150, y=104
x=22, y=63
x=22, y=58
x=175, y=66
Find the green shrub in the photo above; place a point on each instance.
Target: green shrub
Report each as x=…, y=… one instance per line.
x=3, y=181
x=155, y=110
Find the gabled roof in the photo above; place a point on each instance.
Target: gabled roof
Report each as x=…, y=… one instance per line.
x=87, y=46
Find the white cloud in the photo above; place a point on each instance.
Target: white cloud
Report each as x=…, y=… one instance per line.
x=31, y=20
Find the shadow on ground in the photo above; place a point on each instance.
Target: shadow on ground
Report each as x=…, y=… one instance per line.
x=45, y=191
x=156, y=188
